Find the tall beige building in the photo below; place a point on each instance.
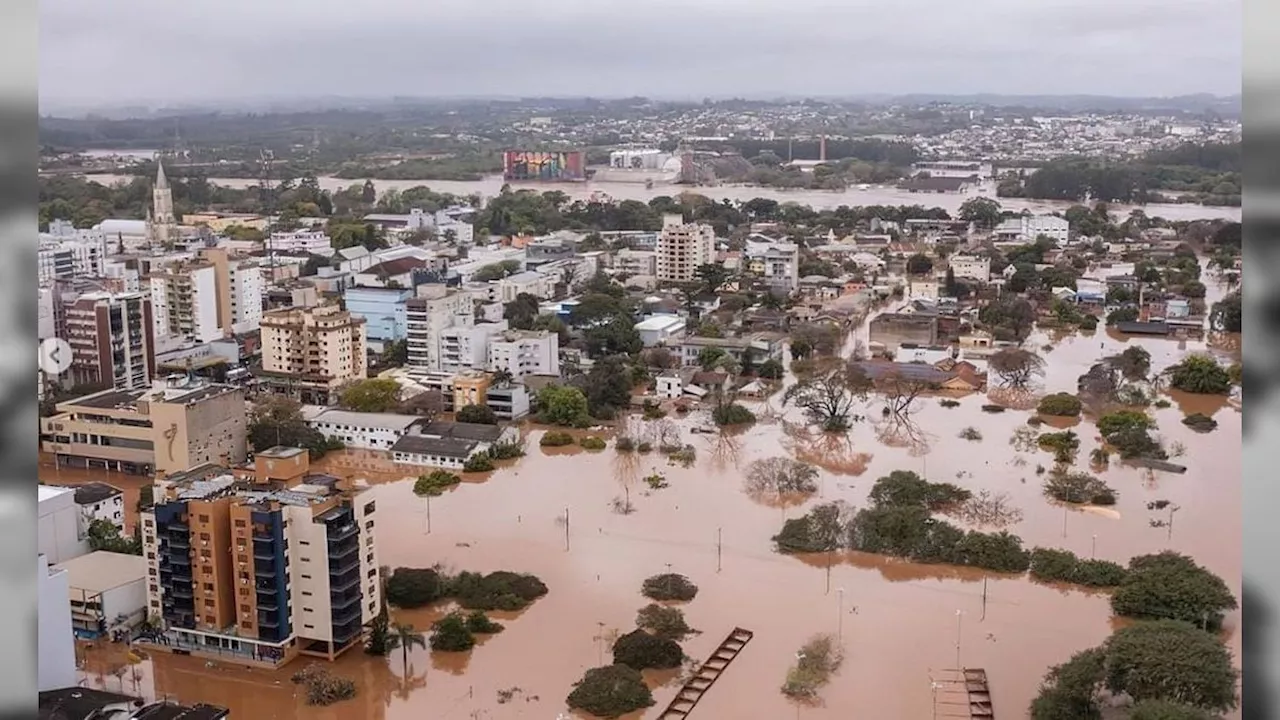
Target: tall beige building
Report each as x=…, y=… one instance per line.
x=309, y=352
x=683, y=248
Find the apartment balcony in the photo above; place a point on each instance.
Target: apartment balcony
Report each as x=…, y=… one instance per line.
x=268, y=603
x=339, y=583
x=344, y=633
x=264, y=571
x=270, y=620
x=266, y=588
x=342, y=533
x=345, y=616
x=345, y=598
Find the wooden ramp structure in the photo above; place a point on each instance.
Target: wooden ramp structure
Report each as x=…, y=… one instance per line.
x=962, y=693
x=710, y=671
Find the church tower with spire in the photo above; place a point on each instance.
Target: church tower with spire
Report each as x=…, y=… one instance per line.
x=163, y=224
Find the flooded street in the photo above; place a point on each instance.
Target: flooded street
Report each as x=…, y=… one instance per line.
x=818, y=199
x=898, y=621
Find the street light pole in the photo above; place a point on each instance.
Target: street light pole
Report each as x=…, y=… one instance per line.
x=1093, y=547
x=959, y=619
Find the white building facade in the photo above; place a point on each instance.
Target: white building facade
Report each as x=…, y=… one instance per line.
x=312, y=242
x=55, y=639
x=970, y=267
x=58, y=523
x=1029, y=227
x=522, y=353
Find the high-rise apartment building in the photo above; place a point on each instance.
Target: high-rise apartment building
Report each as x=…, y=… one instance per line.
x=434, y=310
x=524, y=352
x=683, y=248
x=239, y=290
x=185, y=300
x=112, y=339
x=66, y=252
x=262, y=568
x=309, y=352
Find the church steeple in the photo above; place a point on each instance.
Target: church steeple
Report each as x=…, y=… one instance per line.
x=163, y=222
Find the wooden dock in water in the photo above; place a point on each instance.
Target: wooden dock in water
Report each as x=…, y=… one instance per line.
x=710, y=671
x=962, y=693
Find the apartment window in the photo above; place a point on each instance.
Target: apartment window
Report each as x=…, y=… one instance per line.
x=368, y=525
x=309, y=627
x=203, y=518
x=151, y=572
x=244, y=591
x=242, y=558
x=244, y=608
x=155, y=603
x=369, y=558
x=372, y=572
x=151, y=556
x=306, y=577
x=205, y=537
x=247, y=625
x=208, y=587
x=209, y=620
x=306, y=593
x=208, y=603
x=154, y=587
x=240, y=523
x=369, y=508
x=304, y=542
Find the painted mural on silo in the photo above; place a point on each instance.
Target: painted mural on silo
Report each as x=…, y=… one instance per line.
x=539, y=166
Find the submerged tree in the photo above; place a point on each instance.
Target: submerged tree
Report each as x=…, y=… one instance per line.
x=1016, y=367
x=779, y=476
x=829, y=398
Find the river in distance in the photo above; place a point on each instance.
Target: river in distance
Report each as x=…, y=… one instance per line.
x=818, y=199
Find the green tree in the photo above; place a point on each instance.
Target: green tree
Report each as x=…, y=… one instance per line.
x=618, y=336
x=479, y=414
x=642, y=651
x=710, y=356
x=919, y=264
x=1172, y=586
x=406, y=639
x=375, y=395
x=770, y=370
x=105, y=535
x=610, y=692
x=451, y=634
x=1200, y=374
x=564, y=406
x=277, y=420
x=1171, y=660
x=496, y=271
x=664, y=622
x=522, y=311
x=607, y=387
x=414, y=587
x=981, y=211
x=712, y=276
x=1227, y=314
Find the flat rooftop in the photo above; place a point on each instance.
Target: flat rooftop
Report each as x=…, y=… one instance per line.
x=101, y=571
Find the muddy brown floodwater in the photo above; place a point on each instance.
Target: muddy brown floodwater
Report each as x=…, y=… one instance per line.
x=898, y=621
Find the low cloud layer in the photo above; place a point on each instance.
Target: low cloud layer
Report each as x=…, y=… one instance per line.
x=159, y=50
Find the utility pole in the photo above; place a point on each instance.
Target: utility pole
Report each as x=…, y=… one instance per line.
x=840, y=617
x=719, y=548
x=566, y=528
x=984, y=599
x=959, y=620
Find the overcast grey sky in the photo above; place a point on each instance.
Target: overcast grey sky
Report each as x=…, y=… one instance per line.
x=115, y=51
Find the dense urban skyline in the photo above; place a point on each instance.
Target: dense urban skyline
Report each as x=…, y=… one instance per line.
x=152, y=51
